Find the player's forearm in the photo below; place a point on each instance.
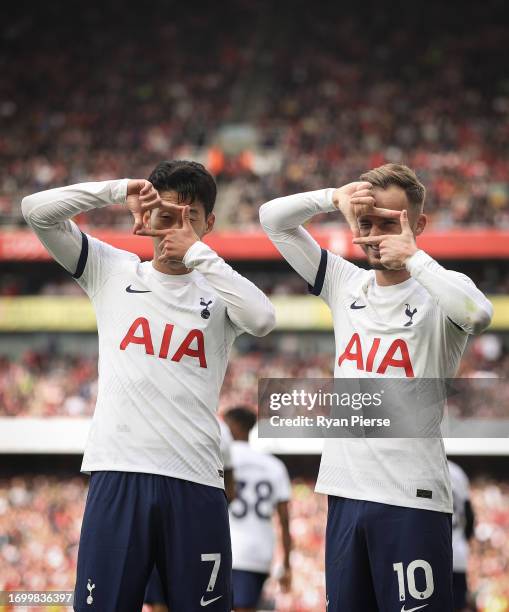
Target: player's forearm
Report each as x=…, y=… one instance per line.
x=49, y=212
x=46, y=209
x=286, y=538
x=286, y=541
x=456, y=295
x=291, y=211
x=248, y=307
x=281, y=220
x=287, y=547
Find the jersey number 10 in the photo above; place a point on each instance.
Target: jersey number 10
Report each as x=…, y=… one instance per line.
x=410, y=576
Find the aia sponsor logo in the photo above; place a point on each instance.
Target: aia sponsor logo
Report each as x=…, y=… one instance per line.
x=193, y=344
x=396, y=356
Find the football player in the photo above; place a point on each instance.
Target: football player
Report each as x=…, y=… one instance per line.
x=165, y=329
x=388, y=537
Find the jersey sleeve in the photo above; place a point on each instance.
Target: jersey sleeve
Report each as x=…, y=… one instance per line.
x=460, y=301
x=97, y=262
x=248, y=309
x=333, y=274
x=282, y=221
x=49, y=214
x=283, y=490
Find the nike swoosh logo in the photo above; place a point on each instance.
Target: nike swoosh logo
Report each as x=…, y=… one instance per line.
x=355, y=306
x=130, y=290
x=204, y=602
x=403, y=609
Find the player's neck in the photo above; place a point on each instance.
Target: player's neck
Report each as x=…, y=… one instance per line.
x=384, y=278
x=170, y=268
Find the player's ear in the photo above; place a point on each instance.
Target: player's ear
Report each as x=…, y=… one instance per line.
x=421, y=224
x=211, y=219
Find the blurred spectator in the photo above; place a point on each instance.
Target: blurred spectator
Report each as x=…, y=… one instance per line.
x=325, y=92
x=43, y=384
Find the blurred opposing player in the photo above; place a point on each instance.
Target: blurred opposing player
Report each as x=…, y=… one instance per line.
x=463, y=521
x=388, y=540
x=165, y=330
x=263, y=489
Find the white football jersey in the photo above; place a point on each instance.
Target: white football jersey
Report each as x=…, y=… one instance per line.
x=261, y=482
x=372, y=339
x=162, y=361
x=403, y=330
x=164, y=340
x=460, y=494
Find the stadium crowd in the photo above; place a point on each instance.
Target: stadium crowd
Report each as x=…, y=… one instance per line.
x=40, y=520
x=491, y=278
x=44, y=383
x=130, y=110
x=322, y=95
x=357, y=91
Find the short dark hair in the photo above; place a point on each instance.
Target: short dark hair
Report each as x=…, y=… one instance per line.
x=191, y=180
x=401, y=176
x=243, y=416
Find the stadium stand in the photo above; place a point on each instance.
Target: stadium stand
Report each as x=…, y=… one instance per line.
x=276, y=100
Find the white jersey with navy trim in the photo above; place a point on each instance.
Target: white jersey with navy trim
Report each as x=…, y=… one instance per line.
x=372, y=340
x=461, y=495
x=161, y=366
x=262, y=482
x=164, y=341
x=417, y=328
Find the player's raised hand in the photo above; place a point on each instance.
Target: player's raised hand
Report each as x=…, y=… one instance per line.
x=149, y=197
x=175, y=241
x=395, y=249
x=356, y=199
x=135, y=189
x=342, y=199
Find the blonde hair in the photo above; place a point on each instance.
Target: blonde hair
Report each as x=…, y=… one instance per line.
x=401, y=176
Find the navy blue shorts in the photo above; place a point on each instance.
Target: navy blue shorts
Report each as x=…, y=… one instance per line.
x=135, y=521
x=154, y=593
x=247, y=588
x=380, y=557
